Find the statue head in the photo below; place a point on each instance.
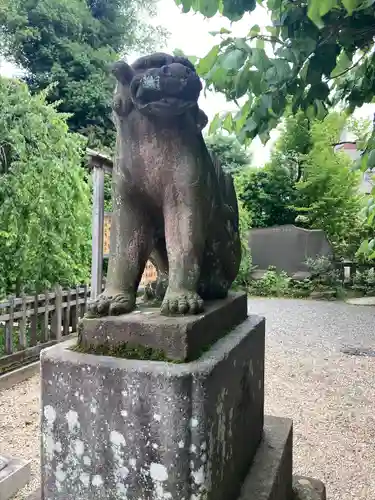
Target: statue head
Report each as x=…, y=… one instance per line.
x=159, y=85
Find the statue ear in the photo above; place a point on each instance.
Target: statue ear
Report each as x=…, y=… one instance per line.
x=123, y=72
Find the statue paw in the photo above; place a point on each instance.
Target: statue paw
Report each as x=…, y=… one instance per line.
x=181, y=303
x=111, y=305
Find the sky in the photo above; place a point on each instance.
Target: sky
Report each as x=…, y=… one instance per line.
x=190, y=33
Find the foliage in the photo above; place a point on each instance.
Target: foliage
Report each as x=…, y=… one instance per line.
x=73, y=43
x=327, y=193
x=323, y=273
x=310, y=49
x=232, y=155
x=324, y=282
x=268, y=194
x=272, y=284
x=308, y=184
x=44, y=196
x=364, y=281
x=315, y=54
x=243, y=276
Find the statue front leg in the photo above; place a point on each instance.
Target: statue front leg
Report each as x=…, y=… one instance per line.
x=129, y=250
x=184, y=233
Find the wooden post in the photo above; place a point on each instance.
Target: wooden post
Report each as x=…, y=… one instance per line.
x=9, y=328
x=23, y=324
x=34, y=322
x=97, y=231
x=57, y=315
x=45, y=331
x=66, y=326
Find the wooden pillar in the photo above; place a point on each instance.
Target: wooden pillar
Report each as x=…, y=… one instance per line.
x=97, y=231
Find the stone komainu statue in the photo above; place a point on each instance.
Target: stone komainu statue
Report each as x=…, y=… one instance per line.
x=172, y=202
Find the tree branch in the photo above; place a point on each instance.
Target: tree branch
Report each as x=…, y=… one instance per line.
x=349, y=69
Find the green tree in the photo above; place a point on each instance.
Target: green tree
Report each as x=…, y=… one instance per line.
x=307, y=183
x=73, y=42
x=316, y=54
x=328, y=193
x=268, y=194
x=232, y=155
x=44, y=196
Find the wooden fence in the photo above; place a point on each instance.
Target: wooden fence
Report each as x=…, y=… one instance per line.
x=29, y=324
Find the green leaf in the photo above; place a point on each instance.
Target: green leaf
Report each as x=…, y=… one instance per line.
x=240, y=43
x=208, y=7
x=250, y=125
x=215, y=124
x=222, y=31
x=351, y=5
x=321, y=111
x=228, y=122
x=314, y=13
x=186, y=5
x=343, y=63
x=234, y=59
x=371, y=160
x=325, y=6
x=255, y=30
x=260, y=59
x=242, y=82
x=206, y=64
x=310, y=112
x=363, y=249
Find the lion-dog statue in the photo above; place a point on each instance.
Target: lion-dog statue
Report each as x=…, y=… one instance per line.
x=173, y=203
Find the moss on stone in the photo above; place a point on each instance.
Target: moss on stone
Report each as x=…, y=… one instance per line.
x=126, y=351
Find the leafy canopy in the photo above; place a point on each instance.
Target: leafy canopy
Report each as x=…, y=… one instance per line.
x=307, y=183
x=73, y=42
x=232, y=155
x=45, y=222
x=318, y=52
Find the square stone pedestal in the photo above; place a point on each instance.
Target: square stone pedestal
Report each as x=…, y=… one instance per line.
x=14, y=475
x=116, y=429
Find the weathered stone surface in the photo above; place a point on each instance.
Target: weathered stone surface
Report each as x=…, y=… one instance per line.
x=306, y=488
x=169, y=198
x=14, y=474
x=287, y=248
x=119, y=429
x=270, y=476
x=3, y=462
x=179, y=338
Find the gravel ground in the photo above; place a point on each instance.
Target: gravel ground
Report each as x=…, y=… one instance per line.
x=19, y=427
x=330, y=396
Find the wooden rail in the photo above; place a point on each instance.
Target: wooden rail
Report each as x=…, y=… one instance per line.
x=30, y=323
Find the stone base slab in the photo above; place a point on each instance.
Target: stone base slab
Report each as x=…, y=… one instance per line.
x=179, y=338
x=270, y=476
x=124, y=429
x=14, y=475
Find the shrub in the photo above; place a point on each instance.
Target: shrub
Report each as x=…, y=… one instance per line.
x=45, y=221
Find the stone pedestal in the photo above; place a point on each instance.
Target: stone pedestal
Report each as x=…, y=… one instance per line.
x=14, y=475
x=178, y=338
x=122, y=429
